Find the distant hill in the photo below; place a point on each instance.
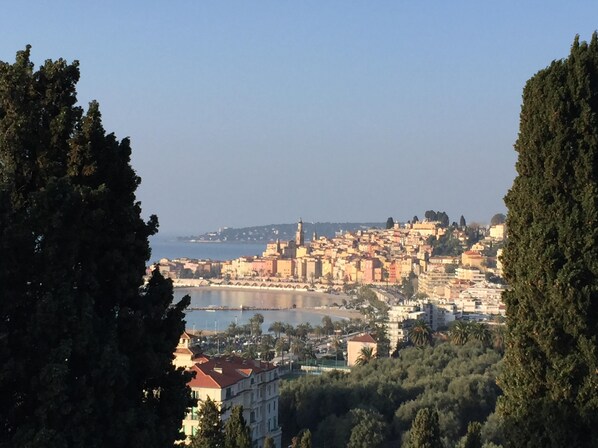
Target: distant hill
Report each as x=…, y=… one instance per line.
x=263, y=234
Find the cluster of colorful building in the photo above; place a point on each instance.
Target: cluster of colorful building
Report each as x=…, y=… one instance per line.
x=383, y=256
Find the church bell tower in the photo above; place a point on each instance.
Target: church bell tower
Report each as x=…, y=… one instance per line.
x=299, y=236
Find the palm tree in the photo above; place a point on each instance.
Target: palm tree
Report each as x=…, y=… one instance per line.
x=481, y=332
x=232, y=330
x=277, y=328
x=256, y=324
x=309, y=352
x=265, y=347
x=498, y=338
x=420, y=333
x=250, y=352
x=459, y=332
x=302, y=330
x=366, y=355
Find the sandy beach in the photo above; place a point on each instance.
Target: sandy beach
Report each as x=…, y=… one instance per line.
x=327, y=300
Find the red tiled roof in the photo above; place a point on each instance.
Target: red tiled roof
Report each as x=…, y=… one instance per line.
x=218, y=373
x=472, y=252
x=363, y=338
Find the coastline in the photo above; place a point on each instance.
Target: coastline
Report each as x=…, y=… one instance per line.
x=324, y=310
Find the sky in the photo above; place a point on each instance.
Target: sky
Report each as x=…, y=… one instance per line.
x=245, y=113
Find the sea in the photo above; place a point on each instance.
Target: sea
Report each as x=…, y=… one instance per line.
x=167, y=247
x=235, y=299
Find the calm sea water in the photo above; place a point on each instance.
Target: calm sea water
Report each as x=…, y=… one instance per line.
x=163, y=247
x=219, y=320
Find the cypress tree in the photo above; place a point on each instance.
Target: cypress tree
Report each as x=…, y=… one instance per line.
x=550, y=378
x=425, y=432
x=86, y=349
x=236, y=432
x=473, y=437
x=210, y=432
x=305, y=439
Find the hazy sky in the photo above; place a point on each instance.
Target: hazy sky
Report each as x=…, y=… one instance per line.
x=257, y=112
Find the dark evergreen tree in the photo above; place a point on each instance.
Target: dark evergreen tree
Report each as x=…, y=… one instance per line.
x=368, y=431
x=390, y=223
x=499, y=218
x=443, y=218
x=415, y=219
x=210, y=433
x=430, y=215
x=473, y=438
x=236, y=432
x=86, y=351
x=462, y=222
x=425, y=432
x=550, y=378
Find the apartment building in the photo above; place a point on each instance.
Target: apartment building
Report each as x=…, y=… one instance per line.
x=230, y=381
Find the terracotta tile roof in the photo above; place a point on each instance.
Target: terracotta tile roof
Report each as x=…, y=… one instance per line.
x=363, y=338
x=221, y=372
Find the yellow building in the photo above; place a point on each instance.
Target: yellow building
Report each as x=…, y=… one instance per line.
x=356, y=344
x=285, y=268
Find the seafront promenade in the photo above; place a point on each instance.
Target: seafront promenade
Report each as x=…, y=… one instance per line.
x=216, y=307
x=251, y=284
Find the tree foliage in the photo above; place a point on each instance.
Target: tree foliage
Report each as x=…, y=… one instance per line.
x=473, y=438
x=210, y=430
x=366, y=354
x=459, y=381
x=550, y=378
x=461, y=332
x=420, y=334
x=86, y=350
x=425, y=432
x=446, y=245
x=498, y=218
x=462, y=222
x=440, y=217
x=369, y=429
x=237, y=433
x=305, y=439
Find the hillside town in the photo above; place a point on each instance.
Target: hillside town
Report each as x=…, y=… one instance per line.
x=422, y=270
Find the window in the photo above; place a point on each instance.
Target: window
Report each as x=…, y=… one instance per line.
x=228, y=392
